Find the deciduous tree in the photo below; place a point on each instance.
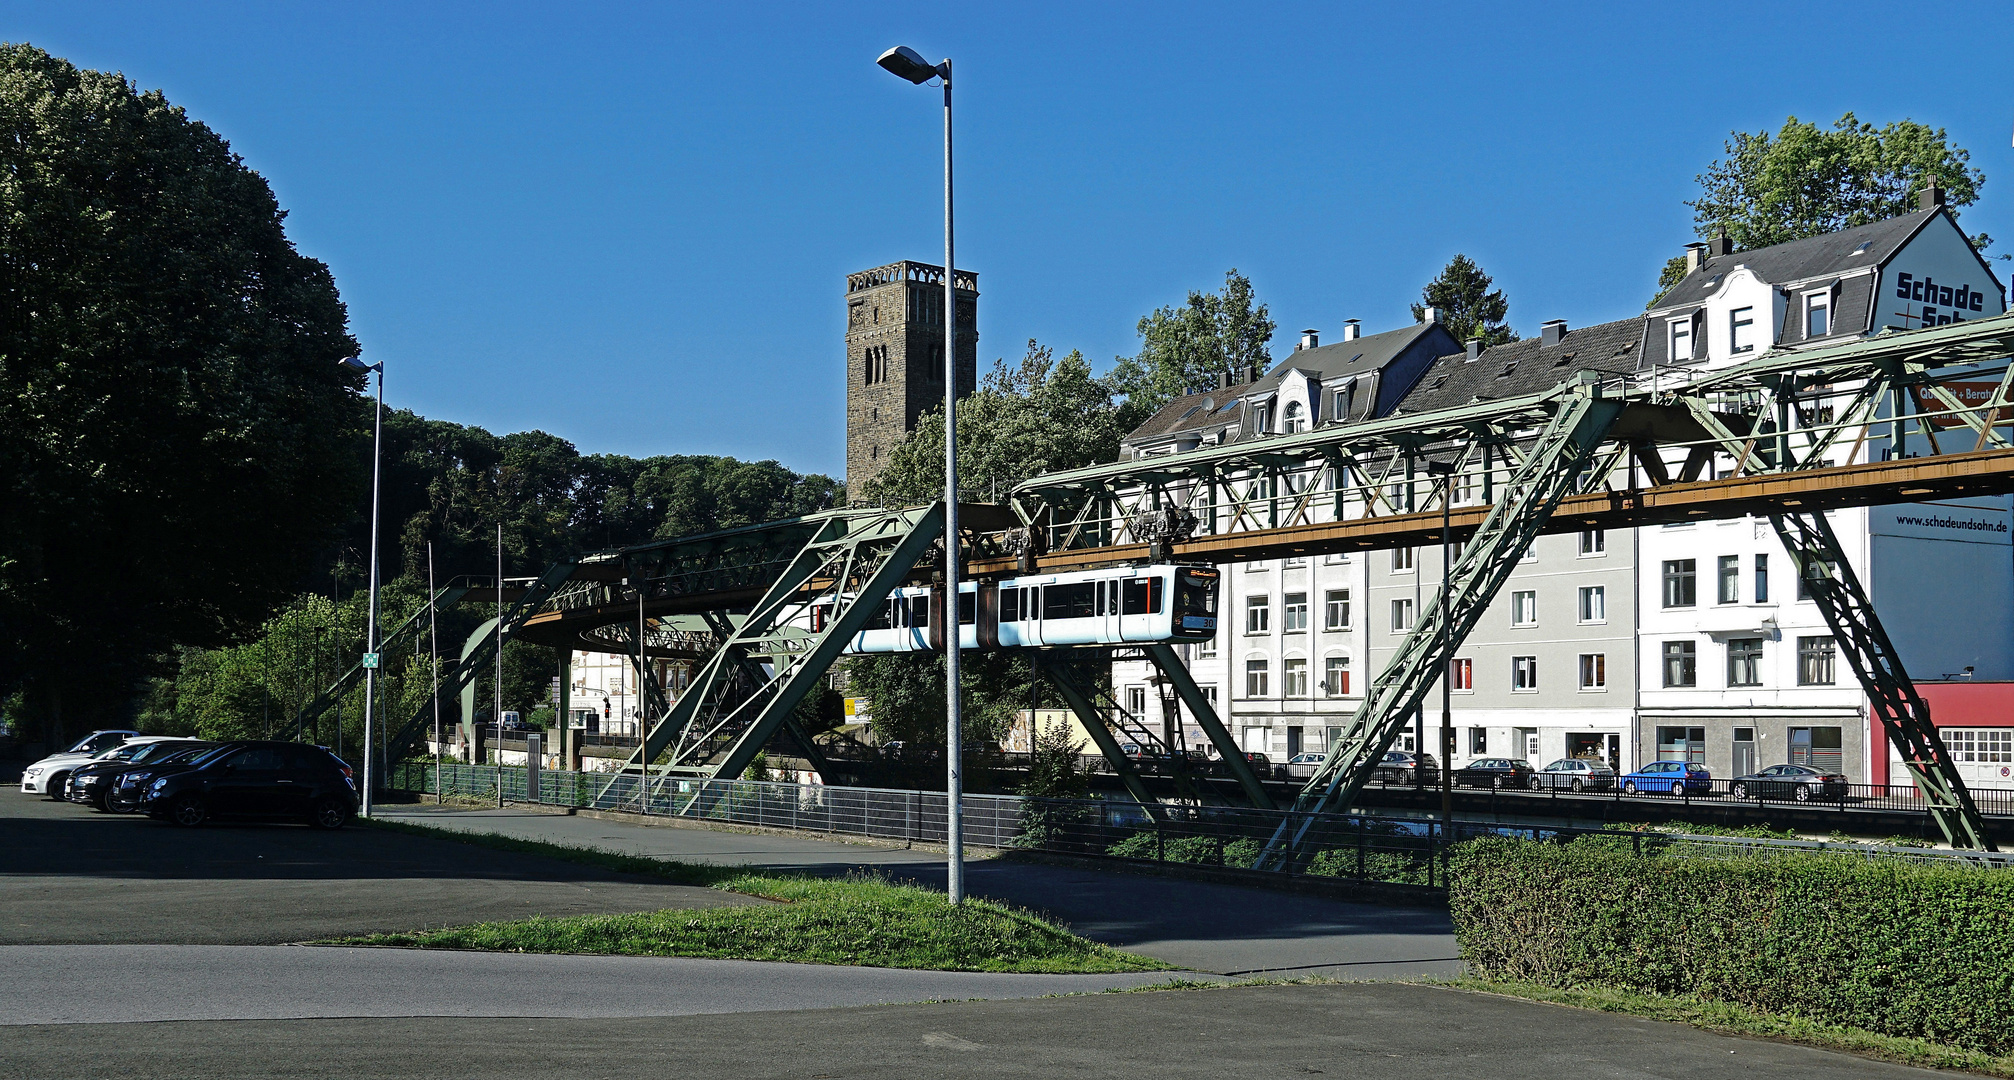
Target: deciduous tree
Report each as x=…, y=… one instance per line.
x=1182, y=349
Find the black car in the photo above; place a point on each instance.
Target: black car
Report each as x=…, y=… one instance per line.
x=1800, y=782
x=124, y=788
x=91, y=784
x=273, y=780
x=1495, y=772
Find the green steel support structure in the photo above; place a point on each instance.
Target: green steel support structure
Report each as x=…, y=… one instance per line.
x=311, y=713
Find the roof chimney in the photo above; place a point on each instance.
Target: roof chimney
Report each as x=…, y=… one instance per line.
x=1695, y=256
x=1310, y=338
x=1430, y=315
x=1475, y=349
x=1721, y=245
x=1351, y=331
x=1223, y=380
x=1931, y=197
x=1550, y=333
x=1254, y=373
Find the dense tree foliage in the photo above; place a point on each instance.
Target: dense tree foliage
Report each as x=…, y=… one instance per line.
x=177, y=441
x=1468, y=307
x=1806, y=181
x=1182, y=349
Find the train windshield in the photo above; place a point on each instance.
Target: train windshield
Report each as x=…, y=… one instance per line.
x=1196, y=592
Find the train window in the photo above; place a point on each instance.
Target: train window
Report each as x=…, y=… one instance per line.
x=968, y=608
x=1143, y=596
x=1077, y=600
x=882, y=618
x=1196, y=597
x=1010, y=605
x=919, y=611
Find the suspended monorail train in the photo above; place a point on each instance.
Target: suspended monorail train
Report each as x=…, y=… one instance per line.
x=1114, y=606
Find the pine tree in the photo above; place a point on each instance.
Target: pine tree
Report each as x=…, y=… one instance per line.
x=1467, y=306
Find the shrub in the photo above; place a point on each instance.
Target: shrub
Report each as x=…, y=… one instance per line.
x=1896, y=948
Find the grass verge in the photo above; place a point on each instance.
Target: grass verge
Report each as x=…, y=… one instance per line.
x=860, y=920
x=1735, y=1020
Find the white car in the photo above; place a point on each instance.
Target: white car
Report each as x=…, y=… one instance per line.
x=49, y=775
x=1304, y=766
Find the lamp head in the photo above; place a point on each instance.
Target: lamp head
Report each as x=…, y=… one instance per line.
x=358, y=367
x=905, y=62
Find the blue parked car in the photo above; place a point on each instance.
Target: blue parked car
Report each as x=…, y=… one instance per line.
x=1669, y=778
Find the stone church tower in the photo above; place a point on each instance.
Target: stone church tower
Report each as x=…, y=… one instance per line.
x=895, y=358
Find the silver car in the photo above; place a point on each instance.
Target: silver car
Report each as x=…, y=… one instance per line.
x=1575, y=774
x=1303, y=766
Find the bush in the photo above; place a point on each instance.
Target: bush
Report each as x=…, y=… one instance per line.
x=1204, y=850
x=1896, y=948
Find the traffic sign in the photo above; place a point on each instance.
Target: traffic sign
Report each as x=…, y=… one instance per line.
x=370, y=659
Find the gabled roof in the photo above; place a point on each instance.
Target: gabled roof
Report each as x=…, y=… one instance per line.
x=1342, y=358
x=1524, y=367
x=1205, y=412
x=1803, y=260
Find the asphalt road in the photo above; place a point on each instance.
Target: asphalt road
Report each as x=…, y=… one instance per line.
x=1224, y=929
x=1374, y=1031
x=72, y=876
x=108, y=984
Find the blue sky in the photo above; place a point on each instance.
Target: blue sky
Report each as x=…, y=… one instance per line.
x=628, y=225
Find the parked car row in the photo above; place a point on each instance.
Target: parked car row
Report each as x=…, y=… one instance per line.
x=191, y=781
x=1680, y=778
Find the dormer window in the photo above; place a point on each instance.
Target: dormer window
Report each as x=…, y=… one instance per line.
x=1681, y=339
x=1818, y=314
x=1340, y=403
x=1295, y=418
x=1741, y=330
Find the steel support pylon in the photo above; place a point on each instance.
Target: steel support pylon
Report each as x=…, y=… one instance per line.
x=787, y=642
x=1835, y=588
x=1552, y=467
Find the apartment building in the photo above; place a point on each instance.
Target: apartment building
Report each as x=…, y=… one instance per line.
x=1690, y=642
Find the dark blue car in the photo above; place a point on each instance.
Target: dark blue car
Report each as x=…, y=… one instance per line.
x=1669, y=778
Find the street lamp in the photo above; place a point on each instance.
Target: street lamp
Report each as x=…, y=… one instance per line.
x=1446, y=472
x=358, y=367
x=907, y=63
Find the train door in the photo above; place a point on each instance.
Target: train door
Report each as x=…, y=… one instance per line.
x=1143, y=602
x=1108, y=610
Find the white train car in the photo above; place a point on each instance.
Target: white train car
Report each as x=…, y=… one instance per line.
x=1113, y=606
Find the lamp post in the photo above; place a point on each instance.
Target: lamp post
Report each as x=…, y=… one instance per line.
x=353, y=364
x=907, y=63
x=1447, y=474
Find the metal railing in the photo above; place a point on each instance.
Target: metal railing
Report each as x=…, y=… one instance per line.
x=1352, y=847
x=1904, y=798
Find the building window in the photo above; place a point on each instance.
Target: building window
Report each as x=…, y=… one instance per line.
x=1729, y=579
x=1991, y=746
x=1402, y=560
x=1817, y=309
x=1593, y=671
x=1336, y=610
x=1744, y=661
x=1339, y=404
x=1524, y=608
x=1402, y=615
x=1815, y=659
x=1593, y=603
x=1680, y=588
x=1817, y=747
x=1741, y=330
x=1825, y=570
x=1136, y=701
x=1206, y=649
x=1255, y=678
x=1524, y=674
x=1294, y=677
x=1681, y=339
x=1461, y=673
x=1681, y=744
x=1762, y=579
x=1295, y=418
x=1294, y=611
x=1258, y=614
x=1479, y=741
x=1594, y=541
x=1336, y=676
x=1681, y=663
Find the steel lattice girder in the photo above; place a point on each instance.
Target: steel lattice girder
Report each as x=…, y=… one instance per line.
x=1548, y=472
x=1829, y=577
x=492, y=637
x=850, y=564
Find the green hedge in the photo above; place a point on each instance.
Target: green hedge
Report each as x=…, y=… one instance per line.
x=1893, y=947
